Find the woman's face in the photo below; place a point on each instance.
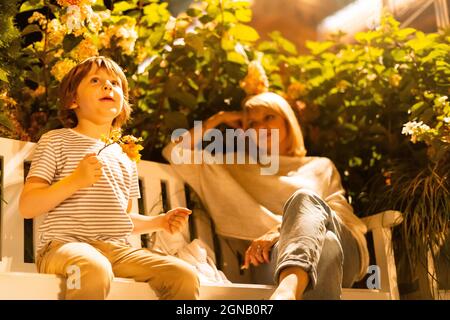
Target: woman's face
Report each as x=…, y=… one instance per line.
x=265, y=118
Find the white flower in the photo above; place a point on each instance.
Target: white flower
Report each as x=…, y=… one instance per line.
x=74, y=21
x=415, y=130
x=179, y=42
x=170, y=25
x=408, y=128
x=441, y=101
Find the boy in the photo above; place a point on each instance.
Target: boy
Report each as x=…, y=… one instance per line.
x=87, y=197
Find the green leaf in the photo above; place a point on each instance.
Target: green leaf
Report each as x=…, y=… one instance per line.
x=317, y=48
x=70, y=42
x=378, y=98
x=193, y=12
x=196, y=43
x=192, y=84
x=417, y=106
x=227, y=44
x=122, y=6
x=31, y=5
x=398, y=54
x=365, y=37
x=244, y=15
x=4, y=121
x=432, y=55
x=4, y=75
x=244, y=33
x=30, y=29
x=233, y=56
x=355, y=162
x=228, y=17
x=403, y=33
x=152, y=13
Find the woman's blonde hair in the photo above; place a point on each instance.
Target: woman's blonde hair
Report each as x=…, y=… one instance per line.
x=71, y=81
x=278, y=104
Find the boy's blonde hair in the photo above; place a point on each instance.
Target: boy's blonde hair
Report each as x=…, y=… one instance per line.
x=278, y=104
x=71, y=81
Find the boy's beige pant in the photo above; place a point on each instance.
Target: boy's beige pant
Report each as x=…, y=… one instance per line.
x=98, y=262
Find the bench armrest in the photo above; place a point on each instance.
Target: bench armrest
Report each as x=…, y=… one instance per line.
x=385, y=219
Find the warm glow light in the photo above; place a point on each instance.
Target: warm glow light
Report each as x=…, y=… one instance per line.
x=357, y=16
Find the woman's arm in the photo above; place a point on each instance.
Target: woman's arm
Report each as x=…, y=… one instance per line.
x=230, y=118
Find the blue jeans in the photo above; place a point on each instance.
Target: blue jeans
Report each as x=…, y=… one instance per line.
x=313, y=239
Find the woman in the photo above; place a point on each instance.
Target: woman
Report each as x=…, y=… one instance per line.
x=318, y=246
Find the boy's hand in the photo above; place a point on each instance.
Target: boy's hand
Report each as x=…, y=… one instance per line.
x=88, y=171
x=175, y=220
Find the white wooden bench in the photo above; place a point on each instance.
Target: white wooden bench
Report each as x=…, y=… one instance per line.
x=19, y=279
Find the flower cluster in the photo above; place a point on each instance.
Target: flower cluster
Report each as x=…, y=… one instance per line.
x=61, y=68
x=67, y=3
x=129, y=144
x=78, y=18
x=295, y=91
x=255, y=81
x=124, y=35
x=85, y=49
x=417, y=130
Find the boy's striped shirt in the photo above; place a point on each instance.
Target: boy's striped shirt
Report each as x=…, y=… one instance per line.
x=93, y=213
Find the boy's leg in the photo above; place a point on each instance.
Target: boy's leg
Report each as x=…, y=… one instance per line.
x=88, y=272
x=170, y=277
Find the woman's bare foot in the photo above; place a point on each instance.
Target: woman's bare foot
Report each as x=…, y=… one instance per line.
x=293, y=282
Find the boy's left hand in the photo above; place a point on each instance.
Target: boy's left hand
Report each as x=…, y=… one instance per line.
x=175, y=219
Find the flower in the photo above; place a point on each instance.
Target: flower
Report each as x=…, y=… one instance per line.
x=67, y=3
x=255, y=81
x=342, y=85
x=72, y=19
x=129, y=144
x=395, y=79
x=39, y=18
x=440, y=102
x=296, y=90
x=125, y=36
x=416, y=130
x=61, y=68
x=93, y=19
x=85, y=49
x=56, y=32
x=132, y=149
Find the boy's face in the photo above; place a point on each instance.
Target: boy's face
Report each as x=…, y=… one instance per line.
x=99, y=97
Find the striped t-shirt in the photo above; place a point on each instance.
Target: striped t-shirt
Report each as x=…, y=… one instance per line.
x=98, y=212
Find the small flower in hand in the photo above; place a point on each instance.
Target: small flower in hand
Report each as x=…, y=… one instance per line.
x=128, y=143
x=131, y=147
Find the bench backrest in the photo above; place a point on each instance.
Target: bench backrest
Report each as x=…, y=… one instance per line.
x=160, y=191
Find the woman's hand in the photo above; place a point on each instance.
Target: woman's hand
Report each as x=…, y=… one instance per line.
x=174, y=220
x=232, y=119
x=259, y=250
